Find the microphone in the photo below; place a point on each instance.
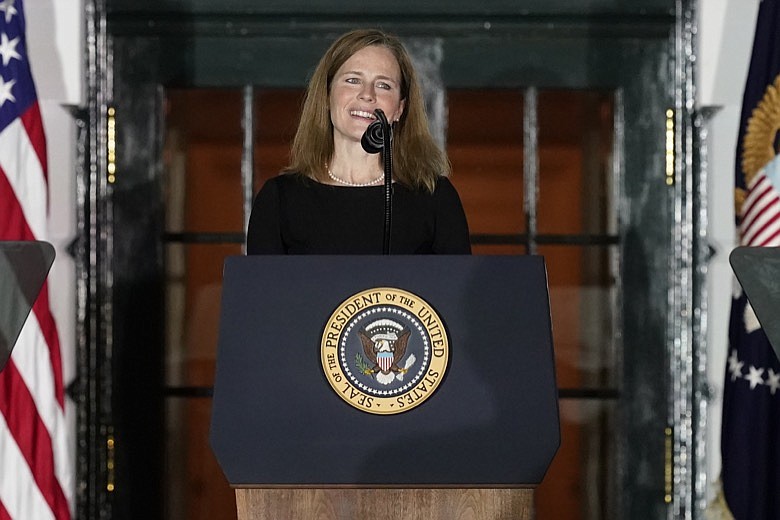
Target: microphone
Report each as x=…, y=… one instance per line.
x=378, y=137
x=373, y=140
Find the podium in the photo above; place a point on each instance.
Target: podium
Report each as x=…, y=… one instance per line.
x=410, y=387
x=758, y=271
x=23, y=269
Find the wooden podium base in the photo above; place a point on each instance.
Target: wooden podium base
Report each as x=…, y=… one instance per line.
x=370, y=504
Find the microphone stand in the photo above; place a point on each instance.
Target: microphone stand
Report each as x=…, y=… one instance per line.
x=379, y=138
x=387, y=155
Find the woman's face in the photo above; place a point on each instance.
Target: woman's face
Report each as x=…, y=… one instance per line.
x=369, y=79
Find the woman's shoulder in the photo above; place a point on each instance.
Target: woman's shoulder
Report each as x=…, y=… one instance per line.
x=444, y=188
x=440, y=184
x=444, y=183
x=288, y=181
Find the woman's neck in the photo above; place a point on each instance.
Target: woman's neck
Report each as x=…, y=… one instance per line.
x=351, y=166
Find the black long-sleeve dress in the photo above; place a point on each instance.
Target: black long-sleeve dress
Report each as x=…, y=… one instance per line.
x=293, y=214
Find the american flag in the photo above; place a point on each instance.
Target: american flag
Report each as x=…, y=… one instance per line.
x=750, y=436
x=760, y=215
x=36, y=479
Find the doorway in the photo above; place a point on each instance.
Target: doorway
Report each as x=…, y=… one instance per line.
x=558, y=137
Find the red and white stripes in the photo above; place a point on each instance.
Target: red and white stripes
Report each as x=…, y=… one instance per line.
x=760, y=215
x=36, y=480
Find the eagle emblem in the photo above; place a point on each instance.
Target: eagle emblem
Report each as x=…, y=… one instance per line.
x=759, y=149
x=384, y=344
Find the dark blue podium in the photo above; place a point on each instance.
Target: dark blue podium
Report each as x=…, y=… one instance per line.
x=758, y=271
x=297, y=424
x=23, y=269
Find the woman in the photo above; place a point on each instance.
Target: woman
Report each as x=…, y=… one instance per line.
x=330, y=199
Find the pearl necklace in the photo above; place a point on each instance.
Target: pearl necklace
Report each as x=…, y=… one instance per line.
x=354, y=184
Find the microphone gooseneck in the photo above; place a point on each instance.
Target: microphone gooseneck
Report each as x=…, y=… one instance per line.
x=377, y=138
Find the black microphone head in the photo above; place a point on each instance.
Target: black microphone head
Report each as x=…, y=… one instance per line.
x=373, y=139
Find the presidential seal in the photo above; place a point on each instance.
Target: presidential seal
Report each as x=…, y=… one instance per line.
x=384, y=350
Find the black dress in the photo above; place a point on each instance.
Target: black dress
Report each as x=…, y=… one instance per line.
x=293, y=214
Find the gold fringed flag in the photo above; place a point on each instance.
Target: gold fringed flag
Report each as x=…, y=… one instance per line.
x=750, y=436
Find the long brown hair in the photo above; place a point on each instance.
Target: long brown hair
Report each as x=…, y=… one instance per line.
x=417, y=159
